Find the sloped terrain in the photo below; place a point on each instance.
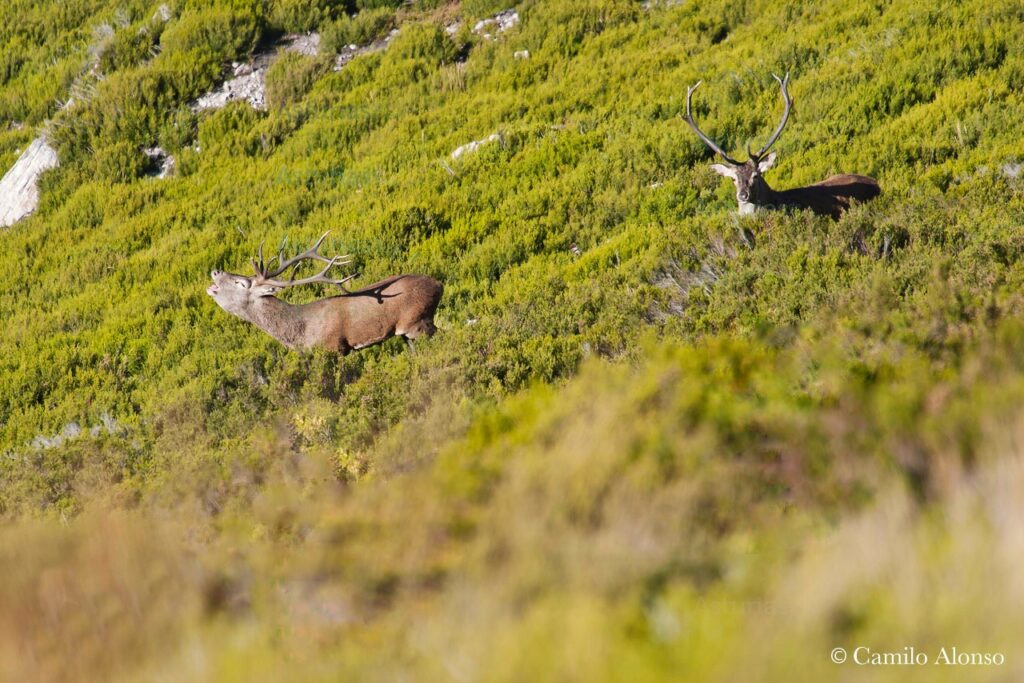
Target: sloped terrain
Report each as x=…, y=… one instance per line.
x=652, y=440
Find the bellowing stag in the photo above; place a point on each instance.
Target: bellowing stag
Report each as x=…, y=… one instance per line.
x=400, y=305
x=830, y=197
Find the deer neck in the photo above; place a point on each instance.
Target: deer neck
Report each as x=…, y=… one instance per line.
x=762, y=197
x=281, y=320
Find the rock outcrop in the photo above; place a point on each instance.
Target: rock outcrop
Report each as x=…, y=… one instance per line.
x=248, y=81
x=350, y=52
x=248, y=85
x=486, y=28
x=499, y=23
x=19, y=193
x=161, y=164
x=475, y=144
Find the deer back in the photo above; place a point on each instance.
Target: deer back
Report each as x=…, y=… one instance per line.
x=832, y=196
x=398, y=305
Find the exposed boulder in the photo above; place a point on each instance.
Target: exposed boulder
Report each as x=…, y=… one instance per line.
x=307, y=44
x=475, y=144
x=248, y=85
x=349, y=52
x=19, y=193
x=161, y=164
x=499, y=23
x=248, y=81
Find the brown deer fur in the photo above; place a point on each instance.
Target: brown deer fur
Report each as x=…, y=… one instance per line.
x=401, y=305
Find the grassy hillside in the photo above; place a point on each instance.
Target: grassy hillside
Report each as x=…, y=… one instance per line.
x=651, y=441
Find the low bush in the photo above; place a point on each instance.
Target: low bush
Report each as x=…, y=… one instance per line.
x=299, y=16
x=291, y=76
x=360, y=29
x=217, y=33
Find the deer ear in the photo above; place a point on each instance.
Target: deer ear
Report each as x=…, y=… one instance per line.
x=766, y=163
x=722, y=169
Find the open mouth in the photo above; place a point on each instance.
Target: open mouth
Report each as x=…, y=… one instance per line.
x=212, y=289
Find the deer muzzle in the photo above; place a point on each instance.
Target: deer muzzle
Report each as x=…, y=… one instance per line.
x=212, y=289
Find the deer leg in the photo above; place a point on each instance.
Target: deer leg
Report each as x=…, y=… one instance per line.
x=418, y=329
x=410, y=344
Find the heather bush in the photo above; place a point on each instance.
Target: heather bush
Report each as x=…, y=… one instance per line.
x=291, y=76
x=360, y=29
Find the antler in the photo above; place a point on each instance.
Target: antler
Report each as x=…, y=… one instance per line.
x=785, y=118
x=707, y=141
x=265, y=276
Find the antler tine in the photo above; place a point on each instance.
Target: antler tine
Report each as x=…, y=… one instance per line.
x=319, y=277
x=280, y=250
x=783, y=83
x=257, y=263
x=311, y=254
x=707, y=141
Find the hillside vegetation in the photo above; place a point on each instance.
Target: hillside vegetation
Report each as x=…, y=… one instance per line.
x=651, y=441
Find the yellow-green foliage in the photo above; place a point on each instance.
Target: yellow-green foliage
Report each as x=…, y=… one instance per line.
x=304, y=15
x=290, y=77
x=217, y=33
x=652, y=440
x=359, y=29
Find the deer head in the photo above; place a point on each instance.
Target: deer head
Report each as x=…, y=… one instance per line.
x=752, y=192
x=240, y=295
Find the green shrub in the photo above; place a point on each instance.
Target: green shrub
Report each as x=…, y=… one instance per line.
x=360, y=29
x=299, y=16
x=216, y=33
x=427, y=42
x=481, y=9
x=566, y=27
x=177, y=130
x=230, y=130
x=362, y=5
x=129, y=47
x=119, y=162
x=12, y=56
x=291, y=76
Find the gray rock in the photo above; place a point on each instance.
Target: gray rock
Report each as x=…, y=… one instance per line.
x=19, y=193
x=475, y=144
x=249, y=87
x=161, y=163
x=350, y=52
x=308, y=44
x=501, y=22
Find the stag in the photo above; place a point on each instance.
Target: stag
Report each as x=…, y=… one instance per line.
x=401, y=305
x=830, y=197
